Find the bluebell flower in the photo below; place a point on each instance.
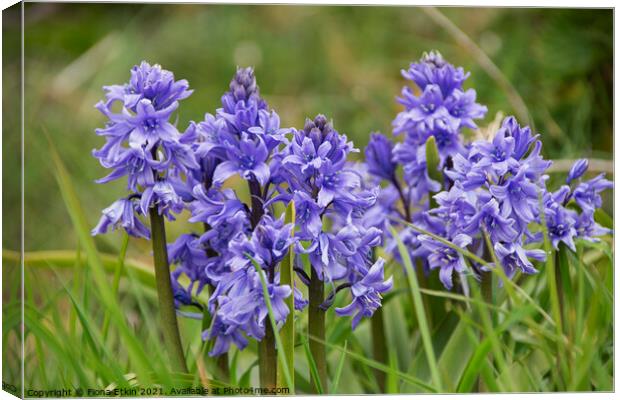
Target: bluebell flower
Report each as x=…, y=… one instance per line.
x=269, y=129
x=214, y=206
x=561, y=226
x=445, y=258
x=122, y=213
x=366, y=294
x=379, y=157
x=588, y=229
x=469, y=174
x=150, y=126
x=149, y=82
x=306, y=156
x=518, y=195
x=243, y=88
x=577, y=170
x=462, y=106
x=499, y=152
x=514, y=257
x=522, y=136
x=135, y=163
x=300, y=301
x=248, y=160
x=587, y=194
x=433, y=69
x=142, y=143
x=498, y=224
x=272, y=239
x=307, y=214
x=334, y=182
x=191, y=260
x=277, y=294
x=224, y=335
x=163, y=196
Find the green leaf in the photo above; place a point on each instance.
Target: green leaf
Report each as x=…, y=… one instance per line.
x=433, y=160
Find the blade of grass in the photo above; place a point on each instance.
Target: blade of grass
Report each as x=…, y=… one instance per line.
x=314, y=371
x=392, y=381
x=420, y=313
x=338, y=373
x=281, y=356
x=69, y=259
x=116, y=281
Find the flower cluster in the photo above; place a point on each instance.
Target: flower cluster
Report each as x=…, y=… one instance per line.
x=326, y=188
x=491, y=190
x=441, y=109
x=143, y=145
x=239, y=140
x=244, y=139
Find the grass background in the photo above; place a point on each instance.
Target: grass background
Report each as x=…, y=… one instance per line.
x=341, y=61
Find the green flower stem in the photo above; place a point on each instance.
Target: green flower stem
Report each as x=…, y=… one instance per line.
x=486, y=288
x=316, y=327
x=167, y=311
x=267, y=359
x=379, y=347
x=560, y=260
x=267, y=355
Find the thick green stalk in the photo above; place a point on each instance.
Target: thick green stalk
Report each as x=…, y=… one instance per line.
x=486, y=288
x=561, y=260
x=267, y=359
x=316, y=327
x=167, y=311
x=379, y=346
x=267, y=355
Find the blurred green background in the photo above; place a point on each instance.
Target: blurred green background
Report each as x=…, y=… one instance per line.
x=344, y=62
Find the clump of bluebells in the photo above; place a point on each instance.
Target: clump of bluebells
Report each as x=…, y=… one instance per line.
x=495, y=188
x=489, y=196
x=243, y=140
x=307, y=166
